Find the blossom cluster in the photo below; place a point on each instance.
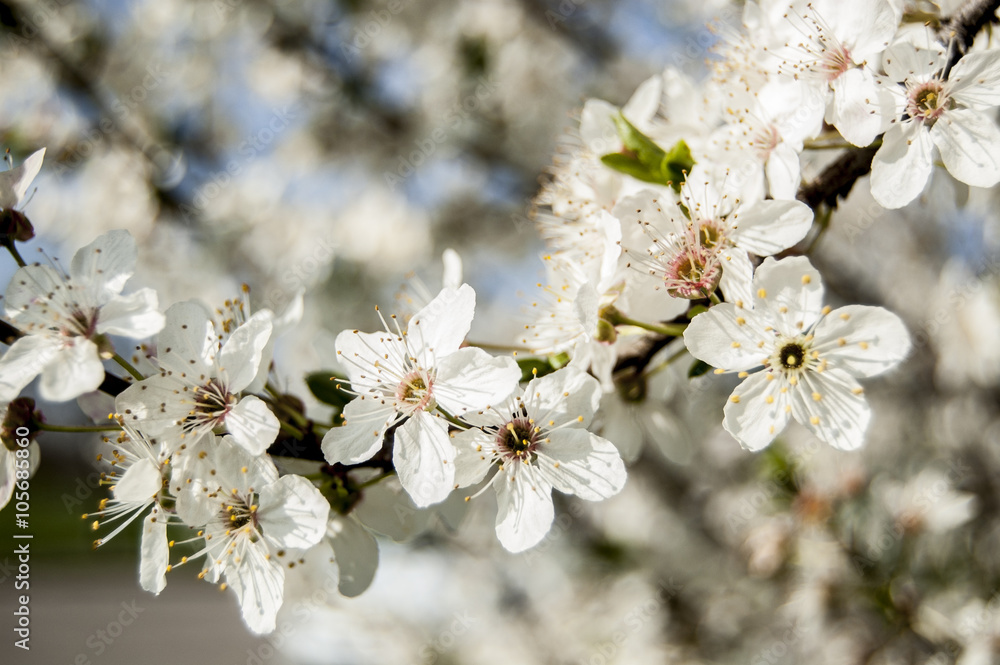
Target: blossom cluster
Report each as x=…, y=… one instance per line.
x=678, y=216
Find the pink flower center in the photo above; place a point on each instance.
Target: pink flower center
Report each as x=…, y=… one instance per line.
x=415, y=393
x=927, y=101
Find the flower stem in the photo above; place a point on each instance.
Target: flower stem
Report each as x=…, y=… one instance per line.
x=377, y=479
x=452, y=419
x=486, y=346
x=128, y=367
x=9, y=244
x=823, y=223
x=668, y=329
x=294, y=431
x=714, y=297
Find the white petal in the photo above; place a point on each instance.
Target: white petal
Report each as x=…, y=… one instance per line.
x=902, y=165
x=645, y=298
x=140, y=482
x=525, y=510
x=975, y=79
x=371, y=359
x=356, y=551
x=473, y=458
x=860, y=106
x=15, y=182
x=750, y=417
x=471, y=379
x=767, y=227
x=645, y=101
x=75, y=370
x=840, y=417
x=903, y=61
x=365, y=421
x=597, y=129
x=717, y=338
x=240, y=356
x=791, y=291
x=783, y=172
x=252, y=425
x=29, y=284
x=187, y=335
x=292, y=513
x=259, y=584
x=452, y=278
x=565, y=395
x=388, y=510
x=134, y=315
x=154, y=553
x=105, y=264
x=425, y=459
x=969, y=142
x=440, y=327
x=238, y=469
x=578, y=462
x=24, y=360
x=866, y=25
x=737, y=275
x=7, y=474
x=874, y=339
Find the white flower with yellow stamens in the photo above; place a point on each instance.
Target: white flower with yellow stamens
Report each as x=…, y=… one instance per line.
x=250, y=520
x=67, y=317
x=410, y=375
x=538, y=441
x=808, y=357
x=200, y=382
x=137, y=482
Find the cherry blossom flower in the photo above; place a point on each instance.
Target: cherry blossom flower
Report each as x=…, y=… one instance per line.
x=809, y=357
x=137, y=484
x=250, y=519
x=67, y=319
x=952, y=115
x=14, y=183
x=703, y=242
x=538, y=441
x=200, y=381
x=410, y=374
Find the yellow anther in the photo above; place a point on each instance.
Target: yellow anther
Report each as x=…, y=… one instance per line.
x=762, y=293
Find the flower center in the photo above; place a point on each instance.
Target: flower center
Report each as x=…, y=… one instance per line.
x=695, y=272
x=212, y=403
x=242, y=514
x=928, y=101
x=835, y=61
x=792, y=356
x=518, y=438
x=414, y=393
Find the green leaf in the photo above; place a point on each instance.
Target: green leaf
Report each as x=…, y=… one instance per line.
x=644, y=160
x=698, y=368
x=629, y=165
x=532, y=367
x=327, y=387
x=677, y=164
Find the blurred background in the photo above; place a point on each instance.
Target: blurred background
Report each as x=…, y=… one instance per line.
x=335, y=147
